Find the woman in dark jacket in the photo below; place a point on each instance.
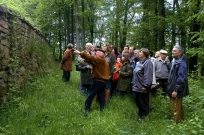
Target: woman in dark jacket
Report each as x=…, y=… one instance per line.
x=125, y=73
x=142, y=81
x=86, y=79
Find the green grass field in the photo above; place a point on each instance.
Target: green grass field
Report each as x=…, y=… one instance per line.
x=52, y=107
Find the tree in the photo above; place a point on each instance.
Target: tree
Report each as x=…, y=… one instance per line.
x=77, y=24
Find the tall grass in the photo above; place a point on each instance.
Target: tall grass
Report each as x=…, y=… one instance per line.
x=52, y=107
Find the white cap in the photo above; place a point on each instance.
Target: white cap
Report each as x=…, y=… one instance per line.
x=89, y=44
x=163, y=51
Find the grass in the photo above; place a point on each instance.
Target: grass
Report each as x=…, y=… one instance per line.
x=52, y=107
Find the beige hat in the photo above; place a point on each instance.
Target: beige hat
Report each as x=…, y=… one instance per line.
x=89, y=44
x=163, y=51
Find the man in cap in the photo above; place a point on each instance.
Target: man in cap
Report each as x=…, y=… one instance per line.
x=100, y=76
x=66, y=64
x=162, y=67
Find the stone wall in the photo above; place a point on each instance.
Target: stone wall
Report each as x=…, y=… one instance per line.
x=18, y=60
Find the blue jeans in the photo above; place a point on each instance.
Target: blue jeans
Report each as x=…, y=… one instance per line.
x=97, y=88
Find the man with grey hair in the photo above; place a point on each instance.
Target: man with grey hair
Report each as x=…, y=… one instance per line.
x=66, y=64
x=178, y=84
x=134, y=61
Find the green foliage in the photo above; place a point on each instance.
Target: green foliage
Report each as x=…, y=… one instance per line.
x=50, y=106
x=200, y=53
x=32, y=45
x=13, y=94
x=42, y=50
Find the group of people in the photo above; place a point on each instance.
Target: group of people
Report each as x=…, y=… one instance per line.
x=105, y=72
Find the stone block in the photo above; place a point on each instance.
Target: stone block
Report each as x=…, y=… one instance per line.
x=1, y=51
x=3, y=89
x=4, y=24
x=21, y=81
x=5, y=62
x=3, y=35
x=2, y=100
x=6, y=53
x=22, y=71
x=4, y=30
x=4, y=75
x=4, y=42
x=2, y=67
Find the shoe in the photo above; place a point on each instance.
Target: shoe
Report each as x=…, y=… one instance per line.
x=86, y=113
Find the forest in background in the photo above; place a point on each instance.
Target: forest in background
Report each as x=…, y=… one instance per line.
x=155, y=24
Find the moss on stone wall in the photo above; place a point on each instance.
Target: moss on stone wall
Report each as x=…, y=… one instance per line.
x=24, y=53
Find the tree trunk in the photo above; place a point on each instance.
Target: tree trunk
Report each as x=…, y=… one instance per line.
x=124, y=32
x=60, y=35
x=161, y=30
x=195, y=28
x=77, y=25
x=145, y=31
x=173, y=32
x=83, y=26
x=117, y=23
x=155, y=27
x=68, y=24
x=72, y=23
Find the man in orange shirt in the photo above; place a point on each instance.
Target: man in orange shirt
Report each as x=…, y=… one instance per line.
x=100, y=76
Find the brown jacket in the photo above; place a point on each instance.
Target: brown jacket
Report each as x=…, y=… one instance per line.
x=101, y=70
x=67, y=60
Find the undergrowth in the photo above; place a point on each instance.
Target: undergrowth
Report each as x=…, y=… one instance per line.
x=50, y=106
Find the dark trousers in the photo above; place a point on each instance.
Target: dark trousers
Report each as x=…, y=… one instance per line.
x=97, y=88
x=66, y=76
x=142, y=102
x=113, y=88
x=85, y=88
x=163, y=84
